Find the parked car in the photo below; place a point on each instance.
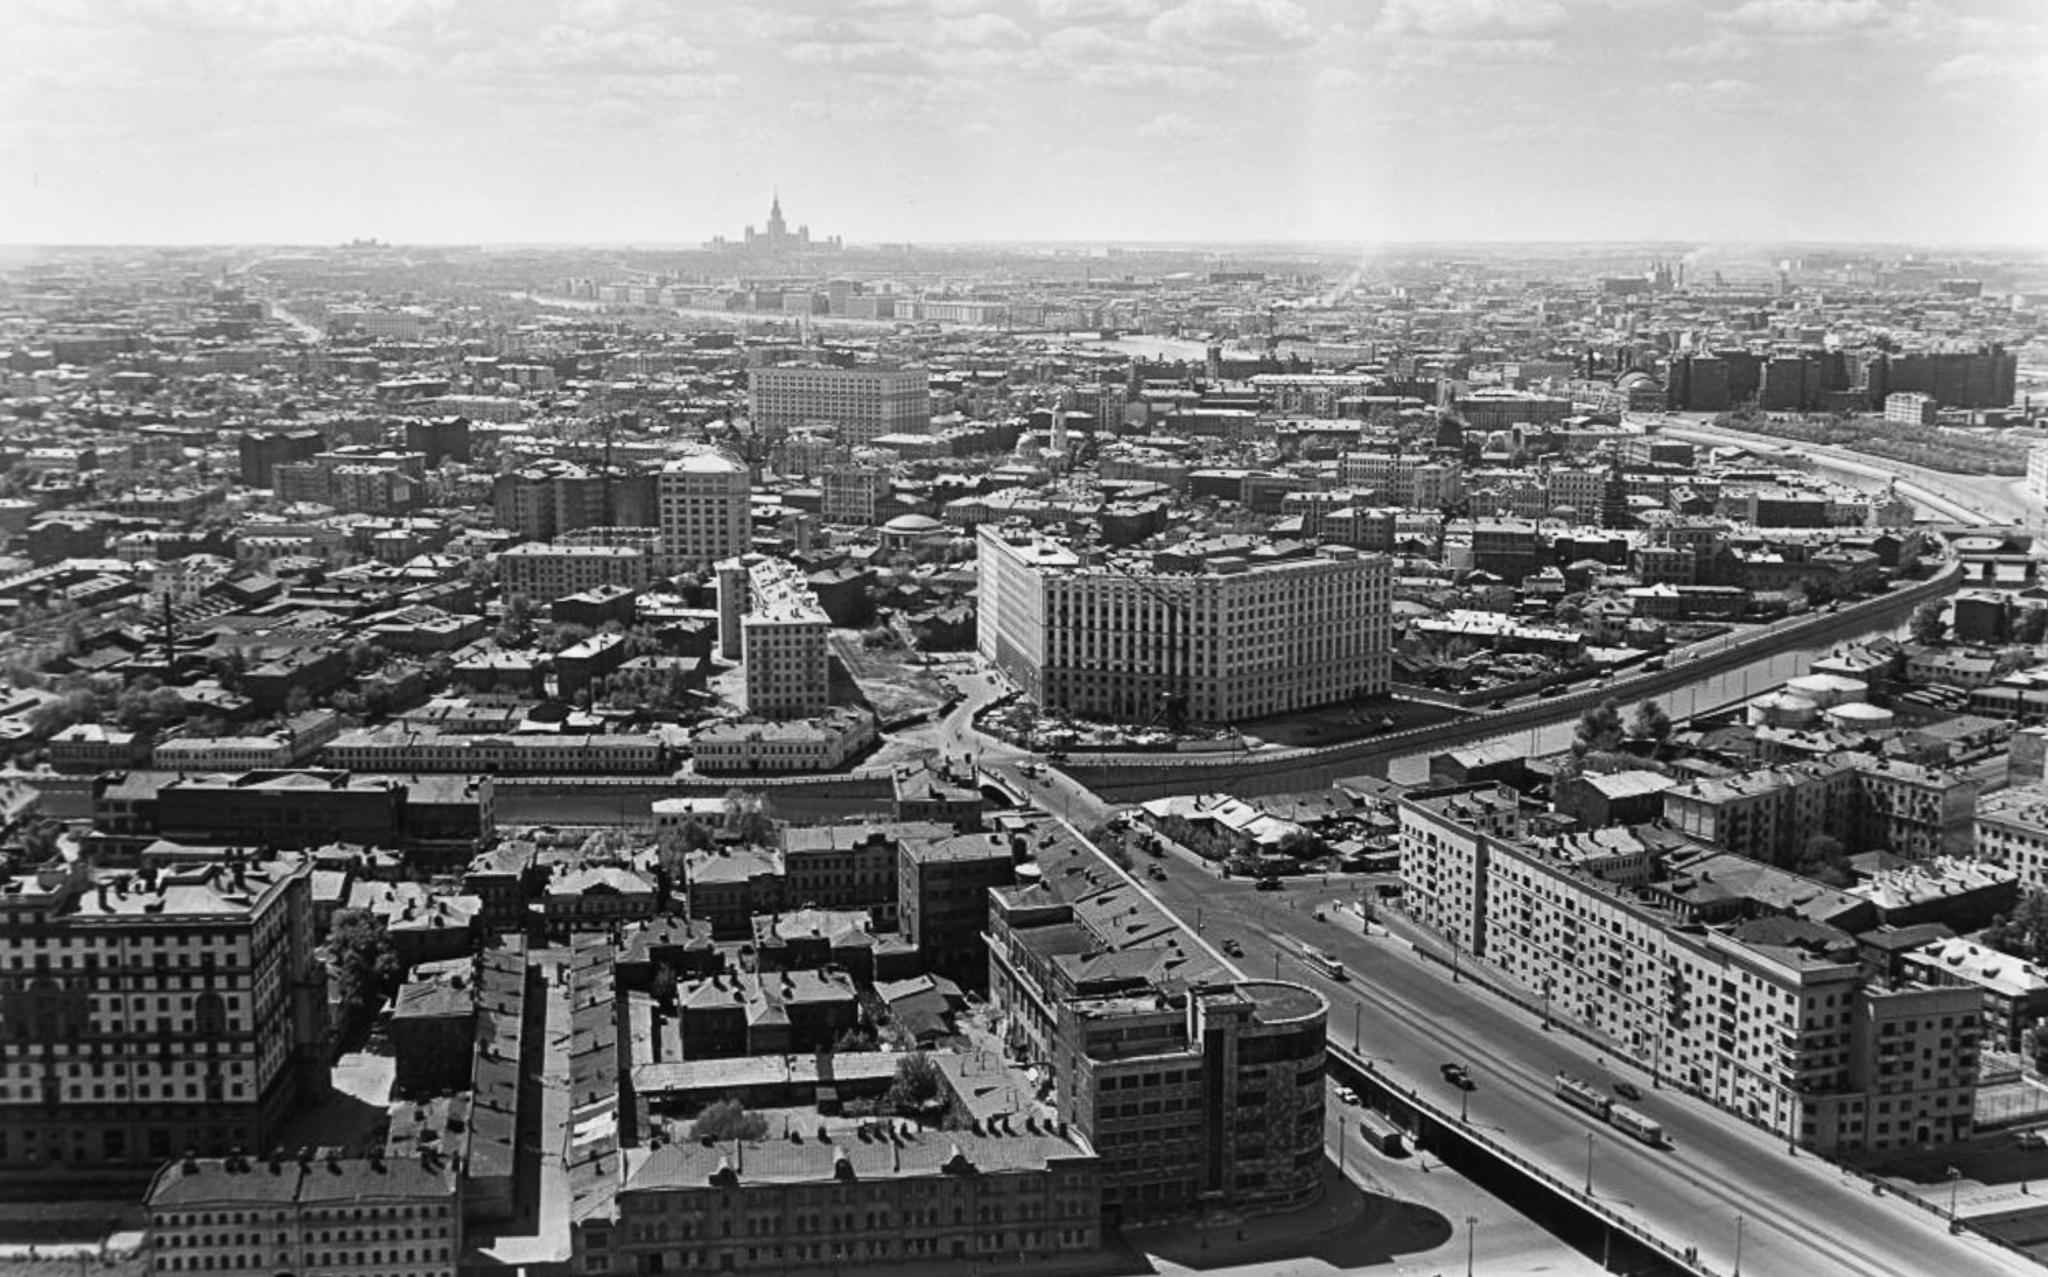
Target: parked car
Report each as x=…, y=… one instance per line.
x=1345, y=1095
x=1458, y=1075
x=1270, y=884
x=1232, y=949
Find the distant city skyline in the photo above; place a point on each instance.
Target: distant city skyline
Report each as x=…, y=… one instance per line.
x=1084, y=121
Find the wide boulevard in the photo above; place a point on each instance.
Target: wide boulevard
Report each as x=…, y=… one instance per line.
x=1797, y=1213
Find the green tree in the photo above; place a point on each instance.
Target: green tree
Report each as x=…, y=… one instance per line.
x=2023, y=934
x=918, y=1084
x=515, y=626
x=749, y=817
x=364, y=966
x=728, y=1120
x=1650, y=723
x=1825, y=858
x=1599, y=729
x=1300, y=844
x=1928, y=625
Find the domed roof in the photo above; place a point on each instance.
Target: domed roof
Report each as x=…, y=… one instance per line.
x=913, y=524
x=1635, y=377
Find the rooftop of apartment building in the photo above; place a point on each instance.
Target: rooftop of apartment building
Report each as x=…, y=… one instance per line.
x=1973, y=963
x=804, y=1158
x=183, y=891
x=2020, y=807
x=1929, y=881
x=779, y=592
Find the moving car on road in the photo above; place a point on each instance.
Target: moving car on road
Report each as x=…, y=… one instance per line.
x=1628, y=1090
x=1458, y=1075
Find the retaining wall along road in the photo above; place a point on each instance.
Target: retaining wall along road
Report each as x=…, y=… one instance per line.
x=1136, y=777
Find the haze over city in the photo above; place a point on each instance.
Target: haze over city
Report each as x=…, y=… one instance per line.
x=195, y=121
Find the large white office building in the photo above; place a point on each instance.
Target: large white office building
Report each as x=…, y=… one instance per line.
x=1236, y=641
x=864, y=402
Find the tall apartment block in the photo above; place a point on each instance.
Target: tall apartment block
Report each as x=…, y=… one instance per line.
x=782, y=638
x=152, y=1012
x=864, y=402
x=942, y=894
x=1772, y=1017
x=703, y=505
x=1236, y=640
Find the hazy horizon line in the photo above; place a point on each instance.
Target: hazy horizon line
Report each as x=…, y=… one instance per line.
x=1360, y=245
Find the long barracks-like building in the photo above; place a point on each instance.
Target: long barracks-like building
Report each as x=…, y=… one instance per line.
x=1239, y=640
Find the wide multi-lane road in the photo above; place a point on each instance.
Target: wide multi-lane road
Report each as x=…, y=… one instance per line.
x=1798, y=1214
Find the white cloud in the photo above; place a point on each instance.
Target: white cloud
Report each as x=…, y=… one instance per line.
x=1807, y=17
x=1170, y=126
x=1232, y=26
x=1336, y=79
x=980, y=29
x=1096, y=10
x=1090, y=46
x=335, y=55
x=2029, y=69
x=1469, y=17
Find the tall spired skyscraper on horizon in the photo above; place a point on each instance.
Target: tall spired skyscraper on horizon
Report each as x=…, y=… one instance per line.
x=777, y=238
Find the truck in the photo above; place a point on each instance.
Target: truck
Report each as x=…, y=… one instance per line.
x=1583, y=1095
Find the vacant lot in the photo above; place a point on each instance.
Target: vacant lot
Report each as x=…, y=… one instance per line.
x=890, y=680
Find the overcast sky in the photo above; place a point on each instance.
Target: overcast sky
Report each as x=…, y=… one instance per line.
x=668, y=121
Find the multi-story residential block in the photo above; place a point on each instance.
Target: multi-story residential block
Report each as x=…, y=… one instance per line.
x=2015, y=990
x=296, y=808
x=1774, y=1017
x=942, y=887
x=783, y=642
x=315, y=1214
x=702, y=502
x=766, y=748
x=850, y=866
x=842, y=1201
x=547, y=572
x=862, y=402
x=151, y=1012
x=2012, y=830
x=1232, y=641
x=1871, y=802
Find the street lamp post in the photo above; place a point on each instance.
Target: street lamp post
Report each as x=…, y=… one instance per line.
x=1357, y=1014
x=1464, y=1103
x=1471, y=1241
x=1547, y=982
x=1955, y=1184
x=1589, y=1163
x=1738, y=1247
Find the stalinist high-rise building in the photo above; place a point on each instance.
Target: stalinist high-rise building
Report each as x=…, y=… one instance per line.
x=777, y=238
